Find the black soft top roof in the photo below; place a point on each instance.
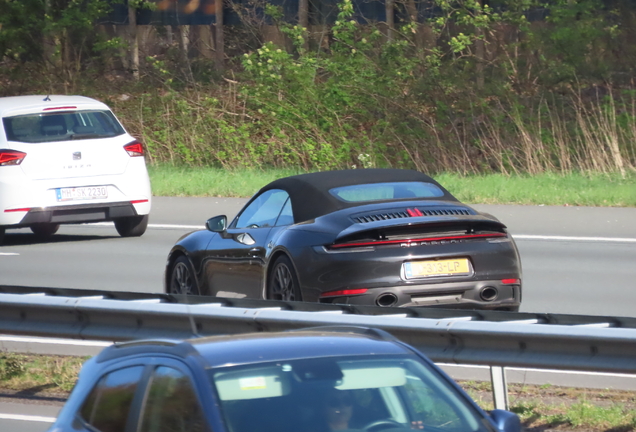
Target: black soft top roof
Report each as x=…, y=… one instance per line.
x=310, y=192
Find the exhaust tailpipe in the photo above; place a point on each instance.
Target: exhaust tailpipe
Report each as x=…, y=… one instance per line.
x=386, y=300
x=488, y=293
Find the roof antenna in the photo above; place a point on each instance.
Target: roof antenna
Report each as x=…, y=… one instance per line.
x=47, y=98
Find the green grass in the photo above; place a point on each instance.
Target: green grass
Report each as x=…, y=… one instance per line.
x=547, y=189
x=196, y=181
x=580, y=415
x=39, y=373
x=548, y=407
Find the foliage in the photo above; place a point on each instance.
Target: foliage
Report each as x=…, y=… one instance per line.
x=53, y=32
x=24, y=372
x=502, y=86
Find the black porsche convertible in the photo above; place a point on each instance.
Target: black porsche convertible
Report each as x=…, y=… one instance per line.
x=384, y=237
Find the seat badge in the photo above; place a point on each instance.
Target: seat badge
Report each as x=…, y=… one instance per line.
x=77, y=155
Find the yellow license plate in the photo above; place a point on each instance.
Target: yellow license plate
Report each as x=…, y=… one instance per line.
x=449, y=267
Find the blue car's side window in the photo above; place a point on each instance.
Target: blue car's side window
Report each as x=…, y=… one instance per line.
x=171, y=404
x=107, y=406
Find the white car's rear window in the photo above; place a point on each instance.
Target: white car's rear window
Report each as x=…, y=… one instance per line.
x=61, y=126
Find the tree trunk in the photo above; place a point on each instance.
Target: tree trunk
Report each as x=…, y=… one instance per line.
x=184, y=40
x=134, y=42
x=220, y=42
x=205, y=41
x=303, y=18
x=411, y=7
x=390, y=19
x=480, y=51
x=49, y=42
x=479, y=54
x=184, y=47
x=65, y=47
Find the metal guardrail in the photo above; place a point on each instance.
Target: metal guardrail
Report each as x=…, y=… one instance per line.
x=572, y=342
x=496, y=339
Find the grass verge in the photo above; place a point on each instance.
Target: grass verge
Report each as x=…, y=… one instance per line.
x=573, y=189
x=554, y=408
x=32, y=374
x=541, y=408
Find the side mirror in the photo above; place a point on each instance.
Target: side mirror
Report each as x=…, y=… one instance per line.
x=217, y=223
x=506, y=421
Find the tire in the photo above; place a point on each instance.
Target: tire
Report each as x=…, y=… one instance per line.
x=282, y=282
x=182, y=278
x=131, y=226
x=44, y=229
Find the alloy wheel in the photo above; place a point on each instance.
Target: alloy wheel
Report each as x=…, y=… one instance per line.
x=283, y=284
x=182, y=281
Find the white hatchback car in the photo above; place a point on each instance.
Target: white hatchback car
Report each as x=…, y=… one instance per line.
x=67, y=160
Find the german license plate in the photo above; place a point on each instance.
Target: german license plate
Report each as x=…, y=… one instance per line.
x=81, y=193
x=430, y=268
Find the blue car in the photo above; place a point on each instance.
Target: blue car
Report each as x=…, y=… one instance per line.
x=311, y=380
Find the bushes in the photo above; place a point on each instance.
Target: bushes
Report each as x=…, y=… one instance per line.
x=475, y=88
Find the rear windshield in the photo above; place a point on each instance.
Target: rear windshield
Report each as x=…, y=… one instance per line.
x=76, y=125
x=386, y=191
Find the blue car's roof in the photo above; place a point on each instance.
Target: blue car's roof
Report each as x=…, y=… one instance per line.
x=253, y=348
x=265, y=347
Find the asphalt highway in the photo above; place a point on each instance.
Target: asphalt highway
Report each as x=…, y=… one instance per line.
x=576, y=260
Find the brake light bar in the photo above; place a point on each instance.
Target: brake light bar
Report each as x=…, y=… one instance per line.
x=139, y=201
x=414, y=212
x=11, y=157
x=134, y=148
x=346, y=292
x=59, y=108
x=17, y=210
x=416, y=240
x=510, y=281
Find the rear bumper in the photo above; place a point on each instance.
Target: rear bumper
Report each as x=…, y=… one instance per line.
x=381, y=272
x=486, y=294
x=82, y=213
x=20, y=196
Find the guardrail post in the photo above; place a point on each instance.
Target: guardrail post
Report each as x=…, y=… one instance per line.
x=499, y=387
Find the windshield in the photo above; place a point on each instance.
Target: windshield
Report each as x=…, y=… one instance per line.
x=386, y=191
x=374, y=393
x=61, y=126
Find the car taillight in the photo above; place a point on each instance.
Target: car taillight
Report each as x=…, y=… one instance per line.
x=510, y=281
x=59, y=108
x=135, y=148
x=414, y=241
x=11, y=157
x=345, y=292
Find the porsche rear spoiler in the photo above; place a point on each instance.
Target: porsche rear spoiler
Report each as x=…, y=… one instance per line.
x=444, y=223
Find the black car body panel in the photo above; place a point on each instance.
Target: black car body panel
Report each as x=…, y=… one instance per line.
x=377, y=252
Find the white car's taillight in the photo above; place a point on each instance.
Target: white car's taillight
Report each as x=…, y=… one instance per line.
x=135, y=148
x=11, y=157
